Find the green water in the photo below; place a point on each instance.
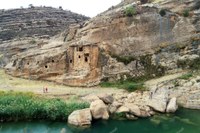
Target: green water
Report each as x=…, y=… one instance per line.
x=184, y=121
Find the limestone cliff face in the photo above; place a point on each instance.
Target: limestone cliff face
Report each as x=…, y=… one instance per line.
x=35, y=21
x=112, y=46
x=26, y=28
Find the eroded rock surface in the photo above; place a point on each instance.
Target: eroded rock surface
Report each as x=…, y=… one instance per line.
x=80, y=117
x=185, y=89
x=99, y=110
x=172, y=106
x=159, y=99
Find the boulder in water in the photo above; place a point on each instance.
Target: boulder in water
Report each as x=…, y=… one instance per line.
x=99, y=110
x=158, y=99
x=80, y=117
x=172, y=106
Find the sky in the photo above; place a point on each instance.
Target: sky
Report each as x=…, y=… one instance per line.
x=86, y=7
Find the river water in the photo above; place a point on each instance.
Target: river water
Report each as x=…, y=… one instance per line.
x=183, y=121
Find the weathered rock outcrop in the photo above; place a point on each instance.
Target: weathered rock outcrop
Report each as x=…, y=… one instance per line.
x=113, y=46
x=80, y=117
x=159, y=99
x=187, y=92
x=139, y=105
x=183, y=91
x=99, y=110
x=172, y=106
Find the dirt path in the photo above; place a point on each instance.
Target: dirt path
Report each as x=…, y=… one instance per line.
x=8, y=83
x=156, y=81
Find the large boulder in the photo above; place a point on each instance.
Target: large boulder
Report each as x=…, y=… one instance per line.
x=158, y=105
x=172, y=106
x=158, y=99
x=80, y=117
x=108, y=99
x=99, y=110
x=133, y=109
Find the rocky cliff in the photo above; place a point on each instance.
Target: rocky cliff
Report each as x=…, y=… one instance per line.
x=22, y=29
x=157, y=38
x=35, y=21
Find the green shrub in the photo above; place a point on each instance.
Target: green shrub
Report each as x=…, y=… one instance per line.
x=125, y=59
x=107, y=84
x=130, y=11
x=27, y=106
x=134, y=86
x=186, y=13
x=128, y=85
x=186, y=76
x=162, y=12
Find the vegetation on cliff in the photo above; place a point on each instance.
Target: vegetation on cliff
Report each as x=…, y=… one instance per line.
x=125, y=59
x=130, y=11
x=186, y=13
x=129, y=85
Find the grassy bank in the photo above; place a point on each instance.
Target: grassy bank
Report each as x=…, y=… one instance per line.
x=28, y=106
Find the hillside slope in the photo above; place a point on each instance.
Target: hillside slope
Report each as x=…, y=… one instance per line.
x=35, y=22
x=20, y=29
x=113, y=46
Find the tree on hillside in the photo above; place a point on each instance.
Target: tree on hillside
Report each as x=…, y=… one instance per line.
x=30, y=6
x=60, y=7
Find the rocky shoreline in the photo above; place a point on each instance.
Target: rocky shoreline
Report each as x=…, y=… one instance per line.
x=164, y=97
x=132, y=105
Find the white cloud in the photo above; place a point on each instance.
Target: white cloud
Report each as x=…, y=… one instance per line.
x=86, y=7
